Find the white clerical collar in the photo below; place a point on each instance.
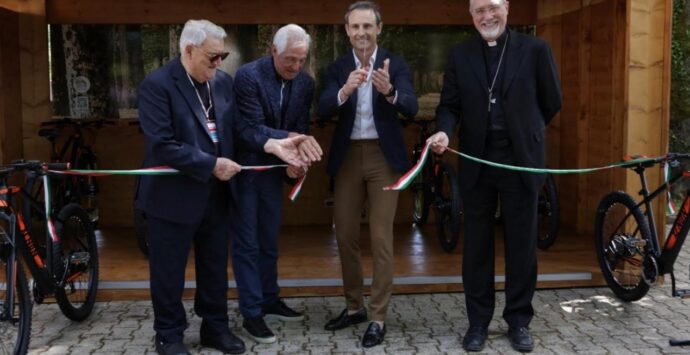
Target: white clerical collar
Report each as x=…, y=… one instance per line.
x=492, y=43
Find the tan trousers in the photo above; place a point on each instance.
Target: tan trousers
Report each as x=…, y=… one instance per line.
x=362, y=177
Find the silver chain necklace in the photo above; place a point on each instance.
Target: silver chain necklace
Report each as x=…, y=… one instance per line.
x=207, y=111
x=493, y=82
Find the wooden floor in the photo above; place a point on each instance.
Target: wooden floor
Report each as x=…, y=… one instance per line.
x=309, y=263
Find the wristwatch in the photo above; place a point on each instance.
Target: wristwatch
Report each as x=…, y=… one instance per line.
x=391, y=92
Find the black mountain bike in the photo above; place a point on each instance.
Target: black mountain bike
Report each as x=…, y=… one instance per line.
x=626, y=240
x=64, y=264
x=78, y=152
x=436, y=186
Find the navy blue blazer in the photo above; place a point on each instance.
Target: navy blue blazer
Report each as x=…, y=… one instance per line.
x=386, y=117
x=531, y=96
x=176, y=135
x=257, y=89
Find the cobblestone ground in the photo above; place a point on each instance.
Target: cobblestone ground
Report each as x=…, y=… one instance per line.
x=581, y=320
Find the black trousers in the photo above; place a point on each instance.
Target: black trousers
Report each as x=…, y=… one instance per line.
x=519, y=211
x=169, y=247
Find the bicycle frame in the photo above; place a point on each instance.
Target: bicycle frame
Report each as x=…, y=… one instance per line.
x=39, y=267
x=666, y=256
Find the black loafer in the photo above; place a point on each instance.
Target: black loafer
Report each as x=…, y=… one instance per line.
x=174, y=348
x=227, y=343
x=374, y=335
x=474, y=339
x=520, y=339
x=344, y=320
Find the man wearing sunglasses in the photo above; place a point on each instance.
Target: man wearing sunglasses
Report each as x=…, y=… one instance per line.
x=274, y=94
x=187, y=114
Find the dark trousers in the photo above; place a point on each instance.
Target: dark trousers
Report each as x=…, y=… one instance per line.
x=519, y=212
x=256, y=224
x=169, y=247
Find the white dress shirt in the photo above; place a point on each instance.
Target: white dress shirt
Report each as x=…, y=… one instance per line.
x=364, y=127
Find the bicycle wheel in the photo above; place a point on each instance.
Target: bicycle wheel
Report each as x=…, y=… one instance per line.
x=448, y=207
x=422, y=197
x=141, y=231
x=87, y=187
x=79, y=255
x=549, y=214
x=15, y=316
x=621, y=239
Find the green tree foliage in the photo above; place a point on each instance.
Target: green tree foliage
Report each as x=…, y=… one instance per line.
x=680, y=79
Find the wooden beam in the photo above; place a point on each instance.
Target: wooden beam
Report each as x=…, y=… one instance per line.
x=429, y=12
x=648, y=88
x=10, y=99
x=35, y=78
x=11, y=5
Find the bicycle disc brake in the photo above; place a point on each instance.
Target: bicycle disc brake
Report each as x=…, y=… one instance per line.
x=650, y=269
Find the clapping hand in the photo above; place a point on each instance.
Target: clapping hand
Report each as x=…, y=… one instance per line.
x=381, y=78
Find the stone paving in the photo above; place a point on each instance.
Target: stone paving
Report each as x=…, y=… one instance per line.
x=581, y=320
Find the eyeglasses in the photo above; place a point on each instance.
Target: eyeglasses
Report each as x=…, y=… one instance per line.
x=492, y=9
x=213, y=57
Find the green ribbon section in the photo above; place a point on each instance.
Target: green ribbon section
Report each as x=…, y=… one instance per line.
x=552, y=171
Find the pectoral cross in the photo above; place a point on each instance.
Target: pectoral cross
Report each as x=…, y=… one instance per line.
x=492, y=100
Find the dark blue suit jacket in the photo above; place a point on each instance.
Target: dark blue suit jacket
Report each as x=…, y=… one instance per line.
x=257, y=88
x=385, y=114
x=531, y=96
x=176, y=135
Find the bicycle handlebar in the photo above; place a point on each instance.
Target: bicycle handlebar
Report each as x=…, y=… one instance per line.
x=31, y=165
x=668, y=157
x=79, y=122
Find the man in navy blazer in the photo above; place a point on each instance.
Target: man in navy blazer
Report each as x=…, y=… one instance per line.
x=367, y=88
x=274, y=96
x=187, y=114
x=502, y=89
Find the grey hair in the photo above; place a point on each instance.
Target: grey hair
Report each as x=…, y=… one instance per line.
x=290, y=34
x=195, y=33
x=364, y=5
x=471, y=1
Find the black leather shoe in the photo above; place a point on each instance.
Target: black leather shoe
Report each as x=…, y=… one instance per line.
x=281, y=311
x=228, y=343
x=374, y=335
x=258, y=330
x=344, y=320
x=520, y=339
x=176, y=348
x=474, y=339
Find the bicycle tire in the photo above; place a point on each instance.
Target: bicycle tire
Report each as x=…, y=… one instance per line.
x=448, y=207
x=618, y=219
x=79, y=253
x=421, y=200
x=15, y=332
x=141, y=231
x=88, y=188
x=549, y=214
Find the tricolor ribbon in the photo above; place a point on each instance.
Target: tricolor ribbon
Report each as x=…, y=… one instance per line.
x=407, y=179
x=161, y=171
x=51, y=226
x=409, y=176
x=297, y=188
x=671, y=206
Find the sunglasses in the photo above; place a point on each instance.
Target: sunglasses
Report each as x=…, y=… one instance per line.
x=215, y=56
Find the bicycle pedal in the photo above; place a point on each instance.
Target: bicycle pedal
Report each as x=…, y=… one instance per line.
x=682, y=293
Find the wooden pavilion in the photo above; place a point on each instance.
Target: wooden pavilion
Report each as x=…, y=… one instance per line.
x=614, y=58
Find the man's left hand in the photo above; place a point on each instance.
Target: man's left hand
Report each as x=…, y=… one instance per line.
x=381, y=79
